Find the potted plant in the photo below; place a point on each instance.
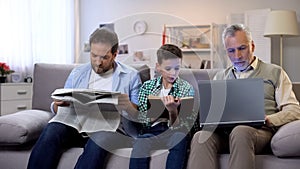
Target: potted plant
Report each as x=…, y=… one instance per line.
x=4, y=71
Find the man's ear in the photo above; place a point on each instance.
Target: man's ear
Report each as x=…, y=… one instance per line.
x=252, y=46
x=115, y=54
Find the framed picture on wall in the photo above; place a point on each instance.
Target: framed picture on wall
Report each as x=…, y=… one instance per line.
x=123, y=49
x=123, y=52
x=140, y=56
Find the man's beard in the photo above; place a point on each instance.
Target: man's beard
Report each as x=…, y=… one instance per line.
x=101, y=70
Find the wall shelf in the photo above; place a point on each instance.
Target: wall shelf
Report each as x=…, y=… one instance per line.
x=199, y=43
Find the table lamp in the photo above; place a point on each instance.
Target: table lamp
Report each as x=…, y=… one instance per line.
x=281, y=23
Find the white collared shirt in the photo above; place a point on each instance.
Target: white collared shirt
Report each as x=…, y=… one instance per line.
x=247, y=72
x=101, y=82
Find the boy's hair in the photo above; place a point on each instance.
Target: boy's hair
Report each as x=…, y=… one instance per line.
x=168, y=51
x=107, y=36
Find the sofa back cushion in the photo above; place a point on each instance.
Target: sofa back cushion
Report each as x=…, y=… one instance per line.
x=296, y=89
x=193, y=76
x=144, y=71
x=47, y=78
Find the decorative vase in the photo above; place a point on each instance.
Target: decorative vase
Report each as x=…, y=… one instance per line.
x=3, y=79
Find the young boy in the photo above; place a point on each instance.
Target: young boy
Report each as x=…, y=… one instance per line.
x=170, y=129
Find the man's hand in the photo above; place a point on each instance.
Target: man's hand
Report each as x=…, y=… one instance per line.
x=59, y=103
x=268, y=123
x=125, y=104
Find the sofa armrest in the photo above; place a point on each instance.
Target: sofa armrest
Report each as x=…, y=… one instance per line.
x=22, y=127
x=285, y=143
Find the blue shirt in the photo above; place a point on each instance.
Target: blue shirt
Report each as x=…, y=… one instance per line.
x=125, y=79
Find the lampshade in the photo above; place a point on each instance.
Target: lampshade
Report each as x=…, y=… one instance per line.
x=281, y=23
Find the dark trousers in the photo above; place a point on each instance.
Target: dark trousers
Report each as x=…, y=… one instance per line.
x=159, y=137
x=57, y=137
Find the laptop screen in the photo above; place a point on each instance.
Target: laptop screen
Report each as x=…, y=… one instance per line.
x=231, y=102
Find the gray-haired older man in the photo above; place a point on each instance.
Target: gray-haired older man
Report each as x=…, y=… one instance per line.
x=243, y=142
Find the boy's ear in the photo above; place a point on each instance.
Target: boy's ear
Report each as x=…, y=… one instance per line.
x=157, y=67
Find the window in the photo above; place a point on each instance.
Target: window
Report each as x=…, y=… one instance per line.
x=36, y=31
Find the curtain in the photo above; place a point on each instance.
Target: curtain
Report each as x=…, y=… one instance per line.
x=34, y=31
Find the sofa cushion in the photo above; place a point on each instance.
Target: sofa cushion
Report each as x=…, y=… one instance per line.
x=47, y=78
x=144, y=71
x=285, y=143
x=22, y=127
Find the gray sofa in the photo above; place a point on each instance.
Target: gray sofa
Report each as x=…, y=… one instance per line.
x=19, y=131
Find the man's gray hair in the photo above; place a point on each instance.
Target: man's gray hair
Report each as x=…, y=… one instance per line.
x=232, y=29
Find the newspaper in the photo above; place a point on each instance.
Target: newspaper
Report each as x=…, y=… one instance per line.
x=89, y=111
x=86, y=96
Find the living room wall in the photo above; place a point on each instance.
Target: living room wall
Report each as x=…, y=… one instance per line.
x=171, y=12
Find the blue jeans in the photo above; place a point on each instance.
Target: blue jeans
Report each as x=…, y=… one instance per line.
x=57, y=137
x=159, y=137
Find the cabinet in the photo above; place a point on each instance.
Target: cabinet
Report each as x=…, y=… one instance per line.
x=201, y=44
x=15, y=97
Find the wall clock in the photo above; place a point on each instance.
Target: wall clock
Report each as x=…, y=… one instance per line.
x=140, y=27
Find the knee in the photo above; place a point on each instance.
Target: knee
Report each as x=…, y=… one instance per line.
x=92, y=146
x=105, y=139
x=143, y=145
x=202, y=137
x=144, y=142
x=52, y=133
x=178, y=138
x=141, y=148
x=241, y=134
x=179, y=135
x=205, y=142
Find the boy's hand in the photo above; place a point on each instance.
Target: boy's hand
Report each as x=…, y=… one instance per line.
x=171, y=103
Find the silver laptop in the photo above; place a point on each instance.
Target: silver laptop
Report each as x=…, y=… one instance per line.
x=227, y=103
